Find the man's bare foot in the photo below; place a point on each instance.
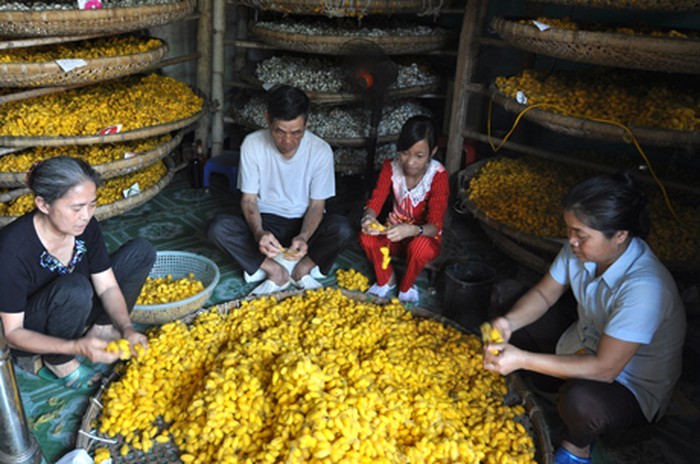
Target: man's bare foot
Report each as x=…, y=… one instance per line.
x=106, y=332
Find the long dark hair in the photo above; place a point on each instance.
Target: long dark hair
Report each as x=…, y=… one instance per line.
x=53, y=178
x=286, y=103
x=609, y=203
x=414, y=130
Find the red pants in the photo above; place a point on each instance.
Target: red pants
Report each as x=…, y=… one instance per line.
x=418, y=252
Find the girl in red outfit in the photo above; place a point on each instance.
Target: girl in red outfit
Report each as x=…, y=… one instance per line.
x=421, y=190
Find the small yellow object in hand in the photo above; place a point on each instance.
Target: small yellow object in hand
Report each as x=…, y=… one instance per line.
x=102, y=455
x=490, y=334
x=386, y=258
x=121, y=346
x=378, y=226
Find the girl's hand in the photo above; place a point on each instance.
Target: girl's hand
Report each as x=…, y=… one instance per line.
x=371, y=226
x=398, y=232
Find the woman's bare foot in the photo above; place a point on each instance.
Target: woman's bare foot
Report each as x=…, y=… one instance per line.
x=105, y=332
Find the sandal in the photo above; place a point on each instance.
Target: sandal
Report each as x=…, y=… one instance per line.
x=83, y=378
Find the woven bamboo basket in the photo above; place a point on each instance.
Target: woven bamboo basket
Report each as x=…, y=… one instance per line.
x=109, y=170
x=337, y=44
x=349, y=8
x=90, y=439
x=649, y=5
x=530, y=250
x=127, y=136
x=604, y=48
x=49, y=73
x=83, y=22
x=104, y=211
x=579, y=127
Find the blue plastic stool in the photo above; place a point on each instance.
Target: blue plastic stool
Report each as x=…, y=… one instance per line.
x=226, y=164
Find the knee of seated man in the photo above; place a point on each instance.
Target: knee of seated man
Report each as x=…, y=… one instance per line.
x=76, y=289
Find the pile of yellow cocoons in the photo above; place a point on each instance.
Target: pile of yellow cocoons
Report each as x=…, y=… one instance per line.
x=318, y=377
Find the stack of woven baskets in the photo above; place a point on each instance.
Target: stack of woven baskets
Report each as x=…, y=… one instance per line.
x=70, y=87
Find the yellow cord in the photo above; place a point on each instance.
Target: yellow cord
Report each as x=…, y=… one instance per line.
x=605, y=121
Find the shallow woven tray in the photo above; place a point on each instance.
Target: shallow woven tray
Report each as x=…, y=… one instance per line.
x=109, y=170
x=604, y=48
x=529, y=250
x=349, y=8
x=178, y=264
x=135, y=134
x=102, y=21
x=89, y=439
x=49, y=73
x=337, y=44
x=650, y=5
x=597, y=130
x=104, y=211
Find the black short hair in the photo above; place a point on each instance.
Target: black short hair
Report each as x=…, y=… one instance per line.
x=415, y=129
x=609, y=203
x=286, y=103
x=51, y=179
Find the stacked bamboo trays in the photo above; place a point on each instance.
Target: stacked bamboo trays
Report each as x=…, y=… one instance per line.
x=647, y=5
x=349, y=8
x=45, y=23
x=337, y=44
x=29, y=74
x=531, y=251
x=604, y=48
x=580, y=127
x=518, y=393
x=111, y=169
x=104, y=211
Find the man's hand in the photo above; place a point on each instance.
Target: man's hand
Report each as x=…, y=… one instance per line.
x=297, y=249
x=269, y=245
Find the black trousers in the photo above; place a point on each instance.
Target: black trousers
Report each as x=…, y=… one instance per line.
x=67, y=305
x=231, y=234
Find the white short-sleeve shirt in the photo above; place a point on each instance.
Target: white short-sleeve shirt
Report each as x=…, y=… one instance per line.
x=286, y=186
x=635, y=300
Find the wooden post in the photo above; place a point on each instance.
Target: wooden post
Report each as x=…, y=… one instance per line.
x=472, y=25
x=203, y=76
x=217, y=76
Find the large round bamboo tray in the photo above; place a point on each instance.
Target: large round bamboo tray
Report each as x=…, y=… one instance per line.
x=127, y=136
x=109, y=170
x=104, y=211
x=604, y=48
x=579, y=127
x=28, y=74
x=83, y=22
x=349, y=8
x=648, y=5
x=337, y=44
x=518, y=393
x=530, y=250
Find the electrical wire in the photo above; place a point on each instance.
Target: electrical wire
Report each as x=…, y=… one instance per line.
x=601, y=120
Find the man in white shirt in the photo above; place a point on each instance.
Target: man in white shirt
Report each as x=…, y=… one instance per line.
x=285, y=175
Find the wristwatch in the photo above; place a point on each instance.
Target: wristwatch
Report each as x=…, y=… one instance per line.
x=420, y=230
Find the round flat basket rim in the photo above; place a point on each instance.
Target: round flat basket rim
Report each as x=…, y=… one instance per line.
x=24, y=74
x=604, y=48
x=21, y=23
x=659, y=5
x=585, y=127
x=540, y=432
x=334, y=42
x=314, y=7
x=108, y=170
x=207, y=290
x=135, y=134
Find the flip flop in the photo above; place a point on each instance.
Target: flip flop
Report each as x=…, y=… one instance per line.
x=308, y=283
x=83, y=378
